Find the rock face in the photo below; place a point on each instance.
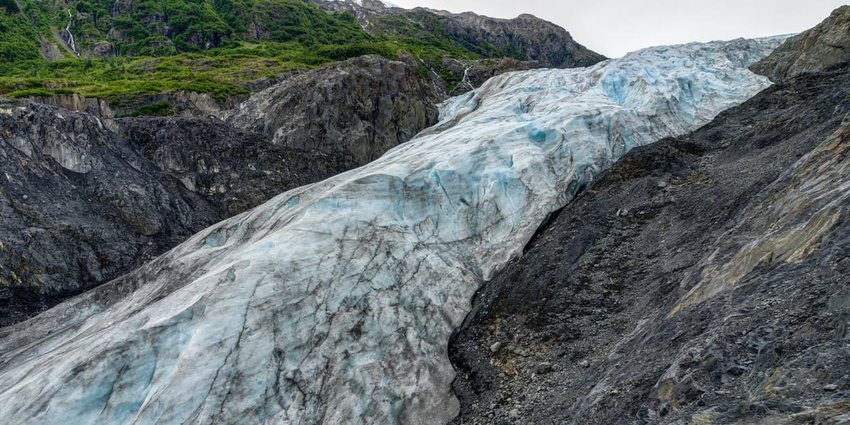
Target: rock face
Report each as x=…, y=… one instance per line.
x=471, y=74
x=233, y=169
x=361, y=108
x=702, y=279
x=525, y=38
x=182, y=103
x=79, y=207
x=334, y=302
x=815, y=50
x=82, y=205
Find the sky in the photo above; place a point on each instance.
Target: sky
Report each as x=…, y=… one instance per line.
x=616, y=27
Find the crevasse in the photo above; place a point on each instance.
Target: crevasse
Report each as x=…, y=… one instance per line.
x=333, y=303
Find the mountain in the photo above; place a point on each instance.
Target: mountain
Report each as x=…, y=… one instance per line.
x=125, y=52
x=277, y=71
x=89, y=197
x=814, y=50
x=525, y=38
x=83, y=205
x=702, y=279
x=334, y=302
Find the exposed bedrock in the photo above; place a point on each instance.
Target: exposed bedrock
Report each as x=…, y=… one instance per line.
x=82, y=205
x=361, y=107
x=702, y=279
x=815, y=50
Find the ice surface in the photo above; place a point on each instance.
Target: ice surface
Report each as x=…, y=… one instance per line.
x=333, y=303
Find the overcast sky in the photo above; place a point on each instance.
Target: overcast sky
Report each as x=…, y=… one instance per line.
x=616, y=27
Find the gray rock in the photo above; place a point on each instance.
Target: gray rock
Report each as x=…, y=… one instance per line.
x=738, y=281
x=232, y=169
x=543, y=368
x=82, y=205
x=824, y=46
x=361, y=108
x=78, y=207
x=524, y=38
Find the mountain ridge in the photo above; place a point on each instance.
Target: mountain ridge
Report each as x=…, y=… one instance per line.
x=814, y=50
x=124, y=50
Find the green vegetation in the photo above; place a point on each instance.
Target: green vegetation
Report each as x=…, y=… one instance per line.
x=221, y=73
x=166, y=27
x=219, y=47
x=19, y=37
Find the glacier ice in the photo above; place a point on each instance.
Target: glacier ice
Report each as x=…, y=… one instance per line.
x=333, y=303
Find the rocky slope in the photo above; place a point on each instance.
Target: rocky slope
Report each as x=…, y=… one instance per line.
x=334, y=302
x=83, y=205
x=79, y=208
x=232, y=169
x=702, y=279
x=814, y=50
x=525, y=38
x=358, y=108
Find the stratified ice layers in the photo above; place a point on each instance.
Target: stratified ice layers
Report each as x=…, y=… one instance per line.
x=333, y=303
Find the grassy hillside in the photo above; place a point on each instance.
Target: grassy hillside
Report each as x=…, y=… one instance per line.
x=129, y=48
x=20, y=30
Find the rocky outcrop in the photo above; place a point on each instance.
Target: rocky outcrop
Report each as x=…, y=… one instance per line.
x=524, y=38
x=233, y=169
x=815, y=50
x=360, y=108
x=702, y=279
x=179, y=103
x=82, y=205
x=470, y=74
x=79, y=207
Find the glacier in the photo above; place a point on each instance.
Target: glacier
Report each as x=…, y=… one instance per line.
x=333, y=303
